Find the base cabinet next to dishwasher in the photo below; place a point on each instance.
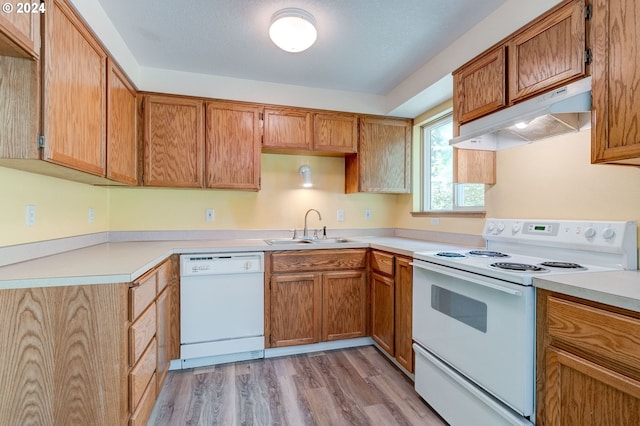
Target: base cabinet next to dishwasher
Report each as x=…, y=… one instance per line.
x=315, y=295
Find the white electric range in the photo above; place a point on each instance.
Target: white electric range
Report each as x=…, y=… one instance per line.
x=474, y=312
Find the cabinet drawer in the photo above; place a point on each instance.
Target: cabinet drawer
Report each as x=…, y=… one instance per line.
x=142, y=413
x=141, y=374
x=141, y=333
x=163, y=275
x=318, y=260
x=142, y=294
x=382, y=262
x=596, y=331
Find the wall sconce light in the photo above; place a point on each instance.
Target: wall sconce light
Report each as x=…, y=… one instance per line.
x=305, y=172
x=293, y=30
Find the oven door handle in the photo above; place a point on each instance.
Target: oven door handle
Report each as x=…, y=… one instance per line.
x=449, y=272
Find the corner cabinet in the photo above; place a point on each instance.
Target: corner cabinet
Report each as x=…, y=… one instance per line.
x=391, y=305
x=615, y=133
x=315, y=295
x=588, y=363
x=383, y=161
x=74, y=92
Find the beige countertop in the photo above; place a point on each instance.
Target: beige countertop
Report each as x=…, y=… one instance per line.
x=116, y=262
x=615, y=288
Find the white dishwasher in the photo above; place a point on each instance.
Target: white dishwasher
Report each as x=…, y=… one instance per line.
x=221, y=308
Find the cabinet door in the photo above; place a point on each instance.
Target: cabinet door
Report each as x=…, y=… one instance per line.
x=335, y=132
x=579, y=392
x=163, y=334
x=74, y=92
x=295, y=309
x=615, y=134
x=122, y=147
x=548, y=53
x=474, y=166
x=479, y=87
x=383, y=162
x=403, y=305
x=344, y=305
x=287, y=128
x=382, y=312
x=173, y=141
x=20, y=32
x=232, y=145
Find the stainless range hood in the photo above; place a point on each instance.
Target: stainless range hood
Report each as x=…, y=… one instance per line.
x=564, y=110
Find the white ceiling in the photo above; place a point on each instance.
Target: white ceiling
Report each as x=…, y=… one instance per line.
x=363, y=46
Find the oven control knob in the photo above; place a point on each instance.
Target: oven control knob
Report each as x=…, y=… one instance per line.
x=491, y=226
x=589, y=232
x=608, y=233
x=500, y=227
x=515, y=228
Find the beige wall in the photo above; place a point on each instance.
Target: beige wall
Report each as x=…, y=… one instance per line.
x=280, y=204
x=62, y=207
x=553, y=179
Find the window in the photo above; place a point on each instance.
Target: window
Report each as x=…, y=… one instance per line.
x=439, y=192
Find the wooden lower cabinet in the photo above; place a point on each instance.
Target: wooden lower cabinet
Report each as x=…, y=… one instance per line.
x=315, y=295
x=295, y=309
x=588, y=363
x=391, y=305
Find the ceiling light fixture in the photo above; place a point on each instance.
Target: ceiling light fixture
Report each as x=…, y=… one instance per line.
x=293, y=30
x=305, y=172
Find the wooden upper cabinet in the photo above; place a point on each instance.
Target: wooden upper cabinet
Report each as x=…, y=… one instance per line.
x=480, y=86
x=287, y=128
x=173, y=141
x=474, y=166
x=122, y=148
x=232, y=145
x=548, y=53
x=19, y=31
x=335, y=132
x=615, y=133
x=74, y=92
x=383, y=162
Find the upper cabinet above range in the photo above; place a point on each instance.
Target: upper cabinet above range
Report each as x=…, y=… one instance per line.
x=543, y=55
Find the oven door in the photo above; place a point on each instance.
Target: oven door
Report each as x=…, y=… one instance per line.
x=482, y=327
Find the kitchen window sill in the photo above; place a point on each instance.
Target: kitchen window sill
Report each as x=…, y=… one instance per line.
x=451, y=213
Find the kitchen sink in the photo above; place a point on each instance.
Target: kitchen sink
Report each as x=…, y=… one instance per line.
x=288, y=241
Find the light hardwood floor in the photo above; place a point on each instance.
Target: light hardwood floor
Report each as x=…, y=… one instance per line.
x=356, y=386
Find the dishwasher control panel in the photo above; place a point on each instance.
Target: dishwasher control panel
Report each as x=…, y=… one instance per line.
x=221, y=263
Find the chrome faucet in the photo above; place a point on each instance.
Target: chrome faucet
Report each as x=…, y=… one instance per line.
x=305, y=232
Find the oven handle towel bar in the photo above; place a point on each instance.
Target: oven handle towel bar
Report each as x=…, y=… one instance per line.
x=449, y=272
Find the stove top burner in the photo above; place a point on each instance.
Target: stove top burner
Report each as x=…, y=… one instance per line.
x=450, y=255
x=518, y=267
x=487, y=253
x=562, y=265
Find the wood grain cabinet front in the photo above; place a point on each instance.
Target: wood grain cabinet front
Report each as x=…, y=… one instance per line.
x=315, y=295
x=20, y=29
x=335, y=132
x=173, y=141
x=383, y=161
x=391, y=305
x=287, y=128
x=615, y=133
x=74, y=68
x=588, y=363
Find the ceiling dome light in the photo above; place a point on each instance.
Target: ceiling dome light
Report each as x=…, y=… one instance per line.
x=293, y=30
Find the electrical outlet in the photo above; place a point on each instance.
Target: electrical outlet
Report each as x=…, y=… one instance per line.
x=340, y=215
x=92, y=215
x=367, y=214
x=435, y=221
x=210, y=215
x=30, y=211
